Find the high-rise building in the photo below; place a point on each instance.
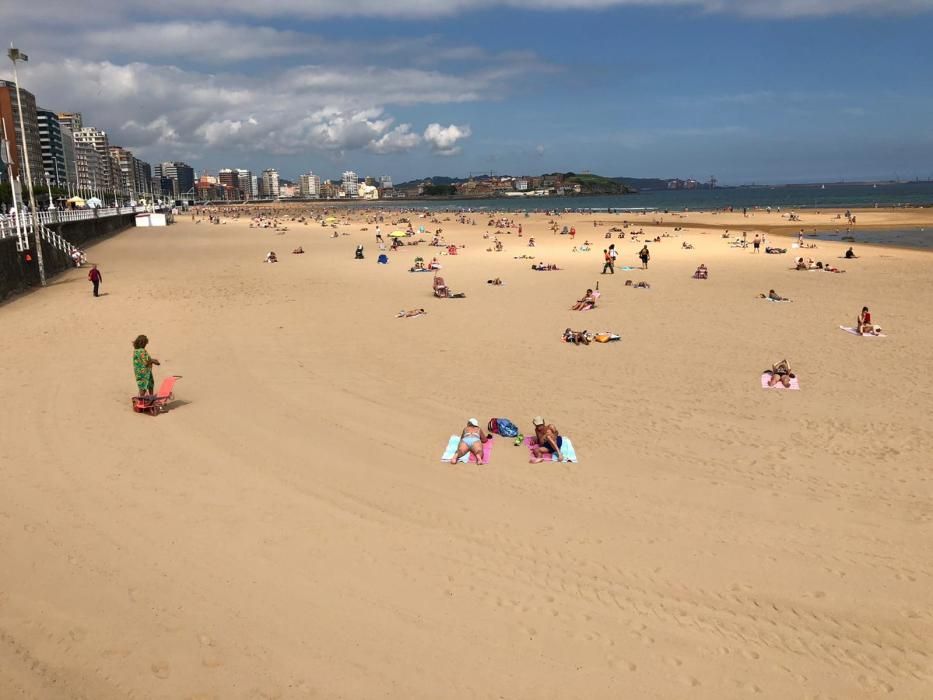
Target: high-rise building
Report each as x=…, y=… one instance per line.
x=53, y=152
x=97, y=139
x=310, y=185
x=124, y=181
x=142, y=177
x=9, y=113
x=180, y=176
x=70, y=119
x=385, y=182
x=270, y=183
x=245, y=180
x=351, y=183
x=68, y=153
x=229, y=178
x=87, y=167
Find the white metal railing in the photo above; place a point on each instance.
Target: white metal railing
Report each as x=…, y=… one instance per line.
x=59, y=216
x=9, y=229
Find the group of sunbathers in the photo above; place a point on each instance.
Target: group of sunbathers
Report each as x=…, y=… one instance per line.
x=544, y=267
x=809, y=264
x=546, y=442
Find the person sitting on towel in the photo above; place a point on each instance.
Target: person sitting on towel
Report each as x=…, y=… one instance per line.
x=270, y=257
x=587, y=302
x=471, y=440
x=780, y=374
x=864, y=323
x=850, y=253
x=298, y=251
x=359, y=253
x=545, y=442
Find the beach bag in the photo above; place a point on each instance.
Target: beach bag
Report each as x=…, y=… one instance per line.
x=503, y=427
x=383, y=259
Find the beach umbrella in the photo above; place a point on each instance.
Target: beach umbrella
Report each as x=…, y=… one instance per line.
x=331, y=218
x=398, y=234
x=75, y=200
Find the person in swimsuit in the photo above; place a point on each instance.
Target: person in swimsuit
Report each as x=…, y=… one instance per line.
x=546, y=441
x=471, y=440
x=780, y=374
x=864, y=322
x=587, y=302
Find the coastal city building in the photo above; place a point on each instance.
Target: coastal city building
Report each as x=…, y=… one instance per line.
x=244, y=183
x=254, y=186
x=176, y=178
x=310, y=185
x=270, y=183
x=385, y=182
x=97, y=140
x=229, y=178
x=53, y=150
x=87, y=167
x=350, y=184
x=9, y=113
x=72, y=120
x=68, y=152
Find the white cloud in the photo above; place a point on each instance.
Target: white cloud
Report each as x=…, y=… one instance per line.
x=399, y=139
x=443, y=140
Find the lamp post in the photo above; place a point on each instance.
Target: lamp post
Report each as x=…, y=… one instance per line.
x=17, y=55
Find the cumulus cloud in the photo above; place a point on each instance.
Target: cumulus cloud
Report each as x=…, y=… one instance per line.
x=159, y=111
x=443, y=140
x=399, y=139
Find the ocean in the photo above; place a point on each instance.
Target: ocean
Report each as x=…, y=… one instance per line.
x=913, y=194
x=788, y=198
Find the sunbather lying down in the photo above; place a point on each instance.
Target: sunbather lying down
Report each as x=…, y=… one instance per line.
x=780, y=374
x=773, y=296
x=587, y=302
x=577, y=337
x=410, y=313
x=496, y=282
x=637, y=285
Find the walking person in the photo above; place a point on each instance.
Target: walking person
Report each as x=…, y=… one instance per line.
x=613, y=254
x=95, y=277
x=607, y=264
x=645, y=257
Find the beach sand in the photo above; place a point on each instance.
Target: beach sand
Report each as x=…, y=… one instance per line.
x=287, y=529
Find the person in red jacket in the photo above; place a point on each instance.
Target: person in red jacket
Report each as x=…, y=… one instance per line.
x=95, y=277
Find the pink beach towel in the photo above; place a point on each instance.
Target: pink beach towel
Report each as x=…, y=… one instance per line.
x=765, y=378
x=452, y=450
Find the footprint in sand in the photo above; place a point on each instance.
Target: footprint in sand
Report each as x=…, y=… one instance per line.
x=161, y=669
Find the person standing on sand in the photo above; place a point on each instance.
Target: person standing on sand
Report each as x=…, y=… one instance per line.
x=95, y=277
x=645, y=257
x=757, y=243
x=607, y=262
x=142, y=366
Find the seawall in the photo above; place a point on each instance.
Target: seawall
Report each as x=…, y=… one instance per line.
x=18, y=274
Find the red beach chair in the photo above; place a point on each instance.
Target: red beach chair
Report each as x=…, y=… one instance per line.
x=154, y=404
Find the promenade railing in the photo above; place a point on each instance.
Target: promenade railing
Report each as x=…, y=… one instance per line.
x=9, y=229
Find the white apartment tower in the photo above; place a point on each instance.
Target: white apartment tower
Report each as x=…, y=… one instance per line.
x=270, y=183
x=310, y=186
x=351, y=183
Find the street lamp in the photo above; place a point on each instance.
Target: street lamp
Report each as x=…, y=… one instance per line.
x=17, y=55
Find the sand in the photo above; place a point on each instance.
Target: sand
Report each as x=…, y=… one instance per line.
x=287, y=530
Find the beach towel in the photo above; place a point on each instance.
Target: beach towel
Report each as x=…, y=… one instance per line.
x=451, y=450
x=628, y=268
x=850, y=329
x=566, y=449
x=765, y=378
x=777, y=301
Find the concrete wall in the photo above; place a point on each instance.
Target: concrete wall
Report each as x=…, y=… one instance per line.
x=17, y=275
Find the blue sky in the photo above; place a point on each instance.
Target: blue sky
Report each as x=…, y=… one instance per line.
x=746, y=90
